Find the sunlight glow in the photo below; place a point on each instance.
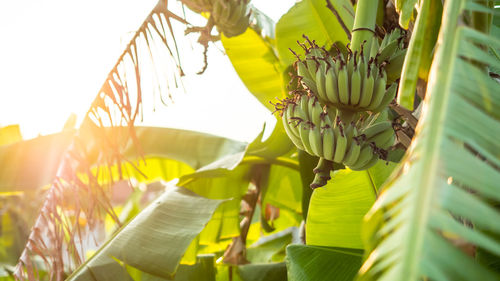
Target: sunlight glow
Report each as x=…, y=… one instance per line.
x=55, y=60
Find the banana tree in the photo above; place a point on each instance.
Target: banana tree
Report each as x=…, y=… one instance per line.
x=428, y=215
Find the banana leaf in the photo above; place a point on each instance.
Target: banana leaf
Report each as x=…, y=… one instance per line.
x=203, y=270
x=441, y=205
x=405, y=10
x=260, y=72
x=420, y=51
x=31, y=164
x=314, y=19
x=172, y=221
x=269, y=248
x=232, y=184
x=277, y=144
x=336, y=211
x=263, y=272
x=312, y=263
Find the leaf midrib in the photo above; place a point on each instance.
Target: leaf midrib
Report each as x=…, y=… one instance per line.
x=434, y=137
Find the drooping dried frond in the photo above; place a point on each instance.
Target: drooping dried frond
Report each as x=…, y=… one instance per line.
x=77, y=200
x=148, y=58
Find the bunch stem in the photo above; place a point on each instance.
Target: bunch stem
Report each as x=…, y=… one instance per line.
x=364, y=24
x=322, y=173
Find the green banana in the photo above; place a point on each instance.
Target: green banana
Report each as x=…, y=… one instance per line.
x=304, y=129
x=315, y=116
x=299, y=117
x=309, y=84
x=328, y=139
x=353, y=154
x=291, y=132
x=298, y=113
x=321, y=85
x=382, y=137
x=365, y=155
x=315, y=140
x=312, y=66
x=364, y=53
x=349, y=132
x=326, y=118
x=288, y=113
x=355, y=86
x=340, y=145
x=379, y=92
x=285, y=118
x=389, y=142
x=375, y=71
x=376, y=129
x=390, y=94
x=368, y=84
x=302, y=112
x=315, y=51
x=329, y=61
x=304, y=105
x=302, y=70
x=362, y=68
x=343, y=84
x=310, y=106
x=315, y=111
x=306, y=80
x=331, y=87
x=338, y=63
x=350, y=64
x=369, y=164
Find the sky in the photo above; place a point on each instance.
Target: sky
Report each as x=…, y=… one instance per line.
x=55, y=55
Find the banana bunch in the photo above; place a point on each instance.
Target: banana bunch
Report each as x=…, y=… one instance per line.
x=338, y=111
x=199, y=6
x=320, y=132
x=354, y=83
x=231, y=17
